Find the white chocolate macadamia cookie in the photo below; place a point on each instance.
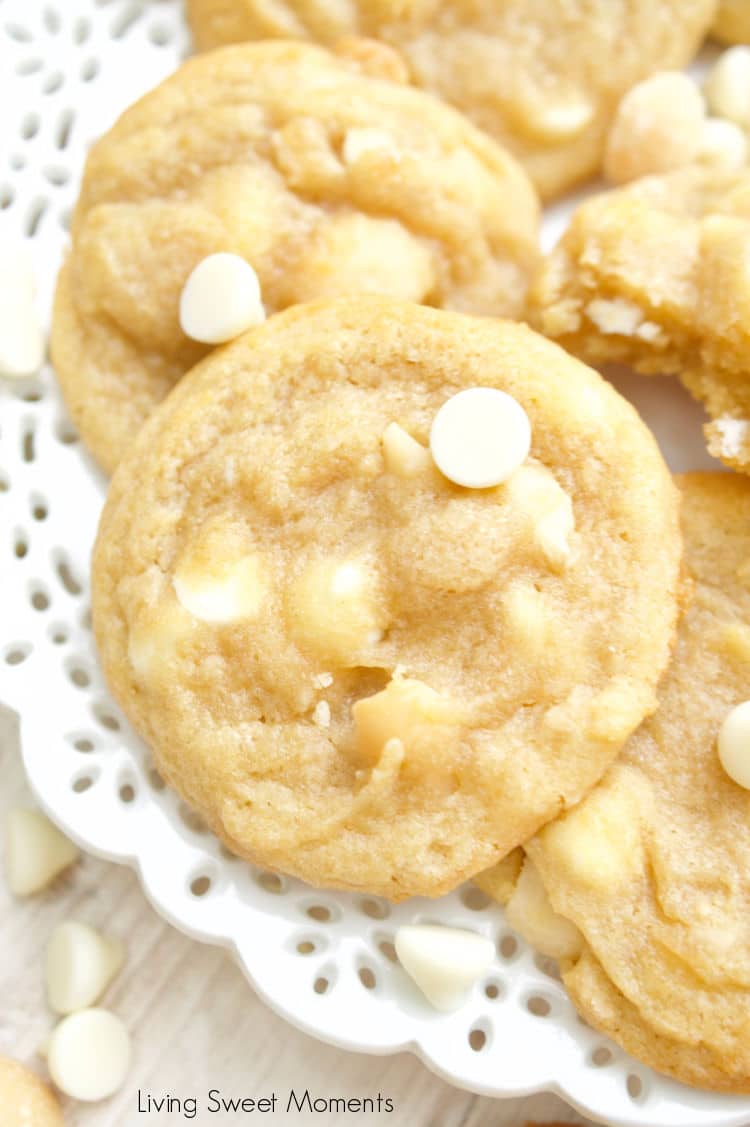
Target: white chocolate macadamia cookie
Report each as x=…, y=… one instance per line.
x=405, y=677
x=285, y=165
x=25, y=1100
x=541, y=77
x=656, y=275
x=653, y=867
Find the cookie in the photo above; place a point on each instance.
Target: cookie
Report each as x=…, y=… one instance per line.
x=655, y=275
x=564, y=67
x=326, y=180
x=24, y=1099
x=654, y=866
x=355, y=670
x=732, y=22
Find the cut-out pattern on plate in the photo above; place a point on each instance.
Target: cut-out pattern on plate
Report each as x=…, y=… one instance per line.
x=316, y=956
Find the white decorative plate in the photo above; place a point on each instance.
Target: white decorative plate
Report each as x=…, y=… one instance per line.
x=323, y=960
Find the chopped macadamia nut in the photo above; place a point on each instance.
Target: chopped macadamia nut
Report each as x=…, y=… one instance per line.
x=89, y=1055
x=444, y=962
x=81, y=963
x=530, y=913
x=657, y=128
x=220, y=299
x=404, y=456
x=727, y=87
x=734, y=744
x=336, y=610
x=35, y=852
x=408, y=710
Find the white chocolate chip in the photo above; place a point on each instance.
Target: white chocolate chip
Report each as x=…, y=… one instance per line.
x=335, y=609
x=322, y=714
x=358, y=142
x=404, y=456
x=35, y=852
x=733, y=434
x=615, y=316
x=220, y=299
x=562, y=120
x=322, y=680
x=444, y=962
x=727, y=87
x=734, y=744
x=549, y=507
x=81, y=963
x=89, y=1055
x=479, y=437
x=530, y=913
x=232, y=591
x=22, y=343
x=723, y=145
x=657, y=128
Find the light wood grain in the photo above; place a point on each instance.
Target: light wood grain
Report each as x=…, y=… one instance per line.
x=196, y=1023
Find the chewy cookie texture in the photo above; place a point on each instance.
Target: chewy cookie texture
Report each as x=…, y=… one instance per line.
x=358, y=671
x=653, y=867
x=542, y=78
x=326, y=179
x=655, y=275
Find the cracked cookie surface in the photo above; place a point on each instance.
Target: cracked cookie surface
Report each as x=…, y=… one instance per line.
x=326, y=180
x=358, y=672
x=656, y=275
x=542, y=78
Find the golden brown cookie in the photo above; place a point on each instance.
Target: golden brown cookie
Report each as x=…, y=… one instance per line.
x=732, y=22
x=355, y=670
x=326, y=180
x=25, y=1100
x=655, y=275
x=543, y=78
x=653, y=867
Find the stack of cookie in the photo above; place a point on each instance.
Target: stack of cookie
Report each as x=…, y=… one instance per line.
x=392, y=591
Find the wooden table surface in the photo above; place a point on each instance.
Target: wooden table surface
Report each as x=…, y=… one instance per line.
x=196, y=1024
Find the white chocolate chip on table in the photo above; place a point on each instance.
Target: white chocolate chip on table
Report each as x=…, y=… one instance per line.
x=35, y=851
x=80, y=965
x=479, y=437
x=22, y=342
x=727, y=86
x=220, y=299
x=444, y=962
x=657, y=128
x=89, y=1055
x=734, y=744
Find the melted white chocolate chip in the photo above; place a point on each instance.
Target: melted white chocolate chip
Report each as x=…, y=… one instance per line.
x=734, y=744
x=444, y=962
x=550, y=509
x=335, y=609
x=530, y=912
x=231, y=591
